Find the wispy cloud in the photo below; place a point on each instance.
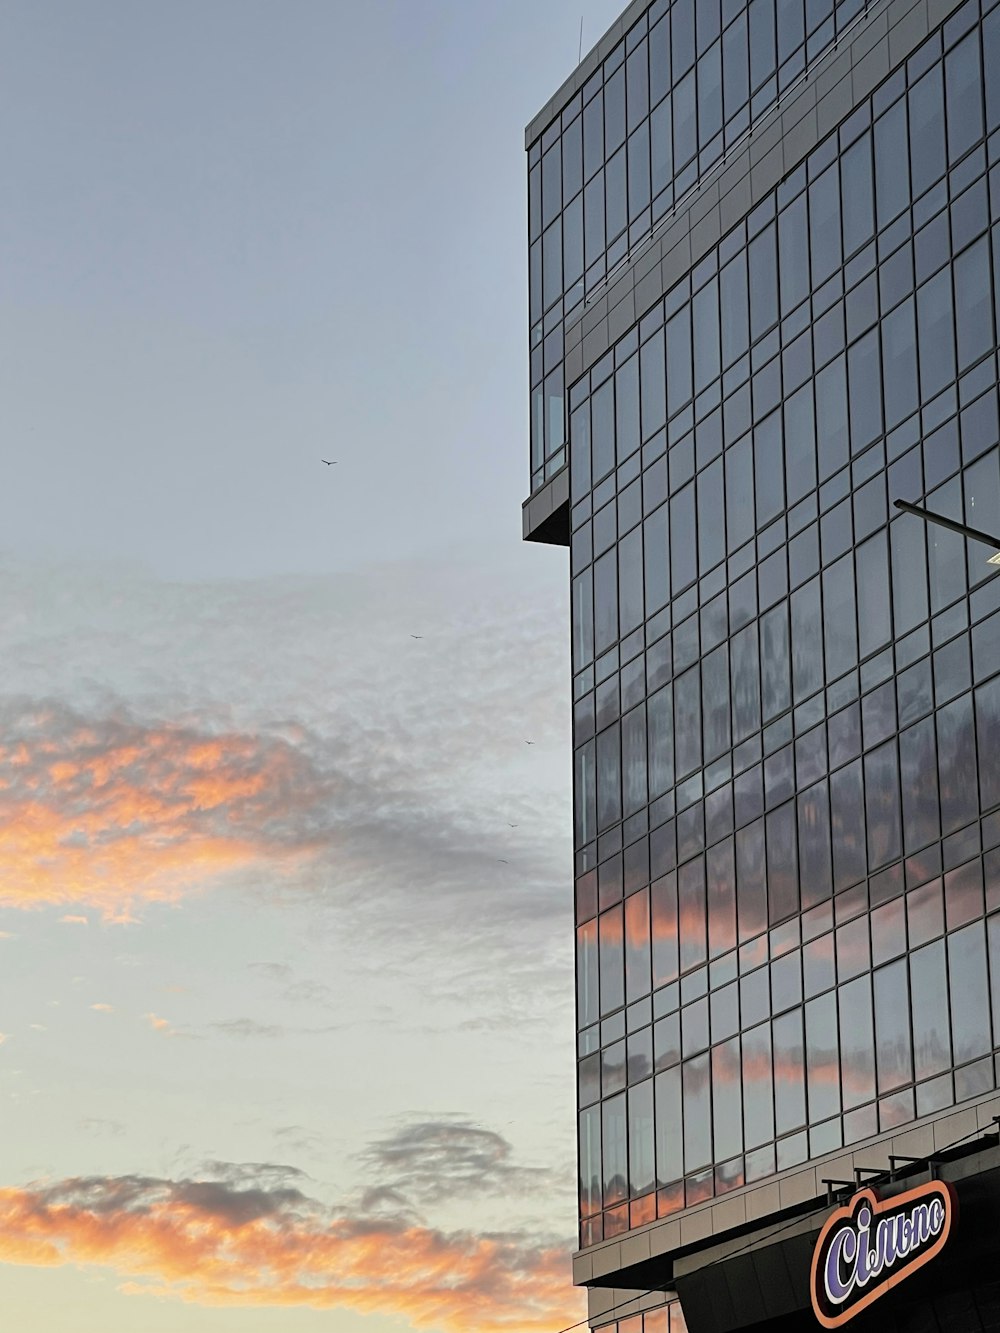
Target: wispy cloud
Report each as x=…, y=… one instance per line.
x=162, y=1025
x=108, y=811
x=344, y=769
x=254, y=1238
x=436, y=1160
x=100, y=1127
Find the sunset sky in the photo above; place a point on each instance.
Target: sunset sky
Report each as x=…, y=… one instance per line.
x=286, y=1029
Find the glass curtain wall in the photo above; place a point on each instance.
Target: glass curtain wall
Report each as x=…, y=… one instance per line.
x=683, y=86
x=786, y=694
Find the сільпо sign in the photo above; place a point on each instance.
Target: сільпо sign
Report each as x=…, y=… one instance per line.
x=871, y=1244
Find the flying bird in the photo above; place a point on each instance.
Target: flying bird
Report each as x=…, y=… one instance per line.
x=329, y=461
x=511, y=825
x=416, y=636
x=502, y=861
x=529, y=742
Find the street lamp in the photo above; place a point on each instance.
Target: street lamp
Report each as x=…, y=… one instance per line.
x=976, y=534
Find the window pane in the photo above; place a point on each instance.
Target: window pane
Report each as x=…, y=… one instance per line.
x=661, y=741
x=782, y=864
x=642, y=1173
x=865, y=377
x=750, y=880
x=661, y=131
x=892, y=159
x=705, y=309
x=822, y=1057
x=970, y=1009
x=758, y=1086
x=715, y=702
x=669, y=1158
x=892, y=1027
x=663, y=926
x=678, y=360
x=638, y=172
x=847, y=823
x=807, y=641
x=585, y=795
x=727, y=1100
x=918, y=782
x=586, y=974
x=653, y=398
x=814, y=845
x=793, y=254
x=824, y=224
x=605, y=601
x=857, y=1042
x=631, y=608
x=637, y=946
x=612, y=961
x=711, y=517
x=856, y=182
x=927, y=150
x=735, y=310
x=789, y=1072
x=882, y=805
x=609, y=778
x=745, y=680
x=697, y=1113
x=590, y=1181
x=634, y=785
x=683, y=547
x=929, y=988
x=615, y=1154
x=692, y=910
x=841, y=626
x=899, y=354
x=973, y=304
x=874, y=620
x=964, y=83
x=768, y=470
x=763, y=282
x=934, y=333
x=775, y=666
x=956, y=765
x=721, y=875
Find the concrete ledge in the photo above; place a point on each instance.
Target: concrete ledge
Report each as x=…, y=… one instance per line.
x=545, y=515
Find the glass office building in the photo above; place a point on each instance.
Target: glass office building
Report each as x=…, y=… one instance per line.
x=764, y=295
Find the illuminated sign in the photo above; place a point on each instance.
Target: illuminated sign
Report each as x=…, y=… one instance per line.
x=871, y=1244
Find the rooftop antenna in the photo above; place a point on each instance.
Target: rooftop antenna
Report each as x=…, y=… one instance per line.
x=579, y=53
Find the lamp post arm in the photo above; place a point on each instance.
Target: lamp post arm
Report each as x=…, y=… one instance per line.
x=976, y=534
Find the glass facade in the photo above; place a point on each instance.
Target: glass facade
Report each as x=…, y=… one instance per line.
x=674, y=96
x=786, y=693
x=668, y=1318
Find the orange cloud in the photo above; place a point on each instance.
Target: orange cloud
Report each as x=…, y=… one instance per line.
x=214, y=1243
x=112, y=812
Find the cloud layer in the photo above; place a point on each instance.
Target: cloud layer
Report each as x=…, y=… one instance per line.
x=107, y=811
x=435, y=1160
x=251, y=1236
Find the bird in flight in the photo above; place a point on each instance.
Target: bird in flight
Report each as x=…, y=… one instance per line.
x=529, y=742
x=329, y=461
x=416, y=636
x=502, y=861
x=511, y=825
